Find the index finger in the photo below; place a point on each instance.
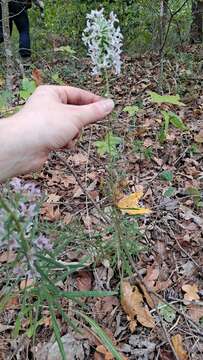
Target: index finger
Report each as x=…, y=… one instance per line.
x=70, y=95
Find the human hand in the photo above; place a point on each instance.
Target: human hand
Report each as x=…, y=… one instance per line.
x=51, y=119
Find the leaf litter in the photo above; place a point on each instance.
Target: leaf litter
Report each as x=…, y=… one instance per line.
x=172, y=227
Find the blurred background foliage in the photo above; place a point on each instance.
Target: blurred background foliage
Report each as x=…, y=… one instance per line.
x=65, y=20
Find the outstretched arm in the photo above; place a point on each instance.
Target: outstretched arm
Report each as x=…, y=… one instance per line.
x=51, y=119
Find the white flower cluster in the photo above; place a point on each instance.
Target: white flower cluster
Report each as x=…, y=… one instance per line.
x=104, y=41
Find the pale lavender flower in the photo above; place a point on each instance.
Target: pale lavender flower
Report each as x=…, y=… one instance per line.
x=29, y=210
x=16, y=184
x=104, y=41
x=43, y=243
x=29, y=188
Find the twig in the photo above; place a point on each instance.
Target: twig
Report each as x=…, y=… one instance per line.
x=105, y=218
x=169, y=25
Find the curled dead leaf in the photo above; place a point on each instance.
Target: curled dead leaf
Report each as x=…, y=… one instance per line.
x=129, y=204
x=133, y=305
x=177, y=342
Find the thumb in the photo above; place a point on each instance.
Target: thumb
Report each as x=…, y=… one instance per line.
x=93, y=112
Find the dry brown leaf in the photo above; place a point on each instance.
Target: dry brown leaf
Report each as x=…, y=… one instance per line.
x=199, y=137
x=195, y=312
x=132, y=326
x=50, y=212
x=129, y=204
x=107, y=355
x=13, y=303
x=98, y=356
x=53, y=198
x=177, y=342
x=84, y=280
x=132, y=303
x=145, y=318
x=78, y=159
x=7, y=256
x=131, y=299
x=152, y=275
x=191, y=292
x=77, y=191
x=26, y=283
x=37, y=76
x=67, y=219
x=104, y=306
x=102, y=350
x=163, y=285
x=150, y=299
x=46, y=321
x=148, y=142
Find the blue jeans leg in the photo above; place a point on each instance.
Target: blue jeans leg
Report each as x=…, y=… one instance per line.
x=22, y=23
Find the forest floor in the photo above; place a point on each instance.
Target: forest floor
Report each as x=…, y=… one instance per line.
x=160, y=313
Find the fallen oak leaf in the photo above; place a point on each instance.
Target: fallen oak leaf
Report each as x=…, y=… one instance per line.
x=191, y=292
x=177, y=342
x=129, y=204
x=195, y=312
x=132, y=303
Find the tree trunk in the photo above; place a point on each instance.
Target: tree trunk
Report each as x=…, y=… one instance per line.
x=7, y=45
x=196, y=32
x=163, y=20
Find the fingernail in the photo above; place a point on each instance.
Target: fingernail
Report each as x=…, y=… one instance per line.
x=107, y=105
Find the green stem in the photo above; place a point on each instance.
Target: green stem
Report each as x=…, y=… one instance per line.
x=111, y=166
x=107, y=93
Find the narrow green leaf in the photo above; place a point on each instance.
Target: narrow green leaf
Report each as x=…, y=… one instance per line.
x=176, y=121
x=79, y=294
x=57, y=331
x=106, y=341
